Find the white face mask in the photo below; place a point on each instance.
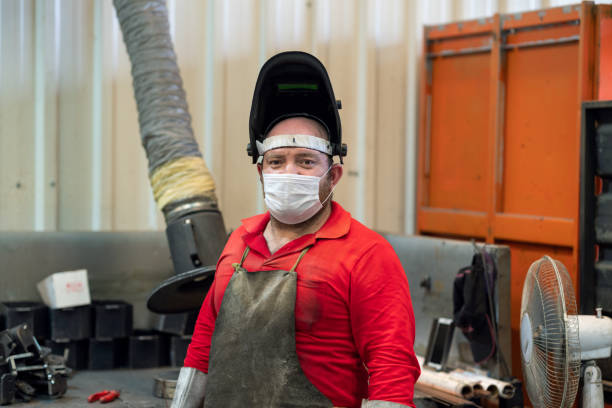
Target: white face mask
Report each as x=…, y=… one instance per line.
x=293, y=198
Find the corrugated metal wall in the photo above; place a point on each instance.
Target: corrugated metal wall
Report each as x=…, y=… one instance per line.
x=70, y=154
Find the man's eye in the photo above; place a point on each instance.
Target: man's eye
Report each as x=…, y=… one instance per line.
x=273, y=162
x=308, y=162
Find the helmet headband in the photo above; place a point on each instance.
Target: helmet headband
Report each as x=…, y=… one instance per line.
x=306, y=141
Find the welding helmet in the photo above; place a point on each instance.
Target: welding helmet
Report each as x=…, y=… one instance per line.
x=294, y=84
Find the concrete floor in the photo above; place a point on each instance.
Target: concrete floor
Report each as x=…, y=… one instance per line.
x=136, y=387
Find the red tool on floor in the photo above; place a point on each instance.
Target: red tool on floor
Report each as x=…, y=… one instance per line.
x=104, y=396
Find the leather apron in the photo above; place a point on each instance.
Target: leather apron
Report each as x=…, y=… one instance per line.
x=253, y=362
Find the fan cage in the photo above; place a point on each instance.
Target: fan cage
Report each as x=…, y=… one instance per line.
x=552, y=374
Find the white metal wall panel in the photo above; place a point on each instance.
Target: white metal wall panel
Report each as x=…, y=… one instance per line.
x=75, y=98
x=70, y=152
x=17, y=95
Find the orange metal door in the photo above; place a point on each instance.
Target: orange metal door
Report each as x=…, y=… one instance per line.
x=499, y=139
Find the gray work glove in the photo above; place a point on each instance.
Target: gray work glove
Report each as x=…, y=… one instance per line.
x=190, y=386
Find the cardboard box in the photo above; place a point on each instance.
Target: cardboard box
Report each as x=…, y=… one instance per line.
x=65, y=289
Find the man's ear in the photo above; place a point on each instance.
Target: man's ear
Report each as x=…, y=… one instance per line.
x=336, y=173
x=259, y=170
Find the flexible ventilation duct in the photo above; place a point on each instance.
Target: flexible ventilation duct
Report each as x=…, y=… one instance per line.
x=182, y=184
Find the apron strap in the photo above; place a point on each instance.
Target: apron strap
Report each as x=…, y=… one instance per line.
x=244, y=255
x=300, y=258
x=247, y=249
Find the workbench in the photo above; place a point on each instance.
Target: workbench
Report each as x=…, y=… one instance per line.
x=136, y=388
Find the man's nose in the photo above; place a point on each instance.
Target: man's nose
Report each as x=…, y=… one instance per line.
x=292, y=167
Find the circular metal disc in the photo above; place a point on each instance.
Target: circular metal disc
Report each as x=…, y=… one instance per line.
x=164, y=384
x=183, y=292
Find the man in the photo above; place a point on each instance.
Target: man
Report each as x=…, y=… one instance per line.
x=309, y=308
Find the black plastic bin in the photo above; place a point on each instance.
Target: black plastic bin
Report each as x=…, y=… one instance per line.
x=178, y=349
x=112, y=319
x=106, y=354
x=34, y=314
x=71, y=323
x=77, y=352
x=122, y=352
x=101, y=354
x=180, y=324
x=148, y=349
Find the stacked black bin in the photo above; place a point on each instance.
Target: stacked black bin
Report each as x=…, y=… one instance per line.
x=596, y=208
x=179, y=327
x=93, y=336
x=34, y=314
x=148, y=349
x=75, y=351
x=178, y=349
x=112, y=326
x=595, y=257
x=100, y=336
x=70, y=332
x=71, y=323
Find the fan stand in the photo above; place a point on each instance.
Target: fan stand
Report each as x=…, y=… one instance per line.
x=595, y=342
x=592, y=391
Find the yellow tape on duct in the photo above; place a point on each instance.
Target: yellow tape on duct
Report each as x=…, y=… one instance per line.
x=180, y=179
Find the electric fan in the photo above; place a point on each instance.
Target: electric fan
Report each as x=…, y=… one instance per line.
x=555, y=339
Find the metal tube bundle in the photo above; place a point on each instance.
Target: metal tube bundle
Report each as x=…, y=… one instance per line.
x=462, y=383
x=497, y=388
x=442, y=381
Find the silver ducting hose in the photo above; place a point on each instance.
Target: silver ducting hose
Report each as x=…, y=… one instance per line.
x=177, y=170
x=182, y=185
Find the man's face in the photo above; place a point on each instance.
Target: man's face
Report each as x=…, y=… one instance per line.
x=299, y=160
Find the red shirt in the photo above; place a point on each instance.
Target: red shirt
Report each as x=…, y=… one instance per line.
x=352, y=311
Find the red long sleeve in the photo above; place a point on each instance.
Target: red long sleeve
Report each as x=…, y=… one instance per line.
x=383, y=324
x=199, y=348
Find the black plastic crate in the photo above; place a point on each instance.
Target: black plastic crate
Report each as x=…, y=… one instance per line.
x=148, y=349
x=76, y=351
x=112, y=319
x=101, y=354
x=595, y=221
x=122, y=352
x=34, y=314
x=603, y=144
x=603, y=218
x=105, y=354
x=178, y=349
x=180, y=324
x=71, y=323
